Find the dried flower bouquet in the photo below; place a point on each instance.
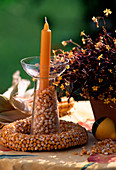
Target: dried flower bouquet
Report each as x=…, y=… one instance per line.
x=92, y=67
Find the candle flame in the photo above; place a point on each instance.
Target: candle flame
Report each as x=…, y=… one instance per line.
x=46, y=26
x=45, y=19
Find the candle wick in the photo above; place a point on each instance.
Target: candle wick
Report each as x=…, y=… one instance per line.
x=45, y=19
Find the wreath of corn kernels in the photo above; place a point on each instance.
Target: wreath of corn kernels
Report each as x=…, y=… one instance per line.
x=17, y=136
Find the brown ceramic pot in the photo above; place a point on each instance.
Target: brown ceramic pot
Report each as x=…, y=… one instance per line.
x=100, y=109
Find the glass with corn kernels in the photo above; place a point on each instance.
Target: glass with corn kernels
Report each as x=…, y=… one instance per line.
x=45, y=116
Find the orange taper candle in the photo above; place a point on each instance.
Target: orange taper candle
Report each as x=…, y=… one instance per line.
x=45, y=56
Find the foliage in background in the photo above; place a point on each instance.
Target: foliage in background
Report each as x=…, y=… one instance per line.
x=22, y=20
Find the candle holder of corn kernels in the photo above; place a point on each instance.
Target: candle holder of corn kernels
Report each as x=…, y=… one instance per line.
x=43, y=130
x=46, y=118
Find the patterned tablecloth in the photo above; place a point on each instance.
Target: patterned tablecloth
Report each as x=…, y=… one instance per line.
x=64, y=160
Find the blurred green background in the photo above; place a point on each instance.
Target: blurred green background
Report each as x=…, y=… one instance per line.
x=21, y=22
